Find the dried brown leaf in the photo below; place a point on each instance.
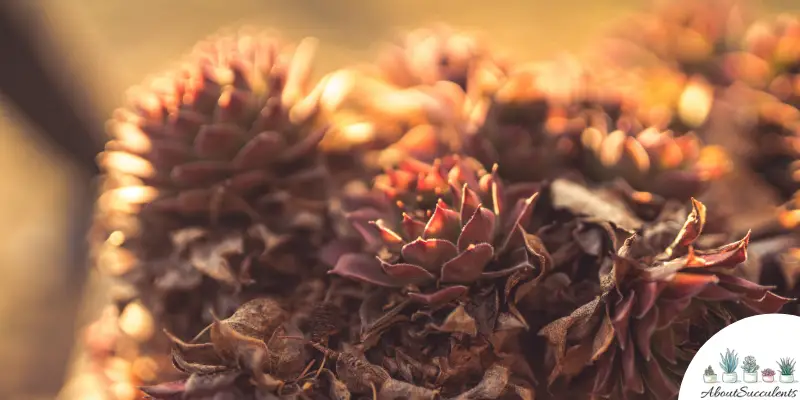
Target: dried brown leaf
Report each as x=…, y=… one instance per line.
x=581, y=201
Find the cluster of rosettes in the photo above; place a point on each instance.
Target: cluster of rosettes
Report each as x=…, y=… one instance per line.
x=217, y=184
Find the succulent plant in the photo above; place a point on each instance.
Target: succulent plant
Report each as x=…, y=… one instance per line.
x=213, y=184
x=786, y=366
x=417, y=99
x=728, y=361
x=652, y=161
x=769, y=100
x=690, y=36
x=541, y=131
x=767, y=372
x=749, y=365
x=709, y=371
x=774, y=43
x=529, y=121
x=693, y=296
x=450, y=227
x=436, y=54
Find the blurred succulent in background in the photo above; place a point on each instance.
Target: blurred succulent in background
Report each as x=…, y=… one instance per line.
x=545, y=121
x=418, y=98
x=766, y=102
x=213, y=184
x=690, y=36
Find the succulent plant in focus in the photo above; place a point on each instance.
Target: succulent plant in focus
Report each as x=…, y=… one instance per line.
x=445, y=227
x=678, y=295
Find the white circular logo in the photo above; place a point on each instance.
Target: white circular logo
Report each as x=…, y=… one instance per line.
x=754, y=358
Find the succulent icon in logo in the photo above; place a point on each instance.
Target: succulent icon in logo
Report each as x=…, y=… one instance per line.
x=709, y=376
x=786, y=366
x=750, y=368
x=768, y=375
x=728, y=363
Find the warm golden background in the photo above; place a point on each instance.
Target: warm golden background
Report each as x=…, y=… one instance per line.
x=112, y=44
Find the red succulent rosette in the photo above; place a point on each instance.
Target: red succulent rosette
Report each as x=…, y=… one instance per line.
x=231, y=132
x=636, y=339
x=452, y=226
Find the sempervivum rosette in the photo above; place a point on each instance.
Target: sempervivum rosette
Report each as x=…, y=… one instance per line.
x=438, y=54
x=447, y=259
x=213, y=181
x=539, y=126
x=776, y=43
x=656, y=309
x=690, y=36
x=417, y=100
x=530, y=123
x=773, y=101
x=457, y=226
x=649, y=159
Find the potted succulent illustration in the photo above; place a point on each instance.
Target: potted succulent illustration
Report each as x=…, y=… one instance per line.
x=768, y=375
x=728, y=363
x=786, y=366
x=709, y=376
x=750, y=369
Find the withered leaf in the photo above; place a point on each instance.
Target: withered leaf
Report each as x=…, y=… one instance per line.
x=393, y=389
x=287, y=357
x=199, y=358
x=484, y=307
x=166, y=390
x=211, y=258
x=324, y=322
x=248, y=352
x=556, y=332
x=374, y=318
x=458, y=321
x=257, y=318
x=358, y=374
x=581, y=201
x=336, y=388
x=492, y=386
x=537, y=249
x=691, y=229
x=507, y=322
x=198, y=384
x=521, y=391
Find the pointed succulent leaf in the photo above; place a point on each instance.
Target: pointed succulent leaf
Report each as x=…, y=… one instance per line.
x=407, y=274
x=443, y=224
x=363, y=268
x=467, y=266
x=479, y=229
x=441, y=296
x=431, y=254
